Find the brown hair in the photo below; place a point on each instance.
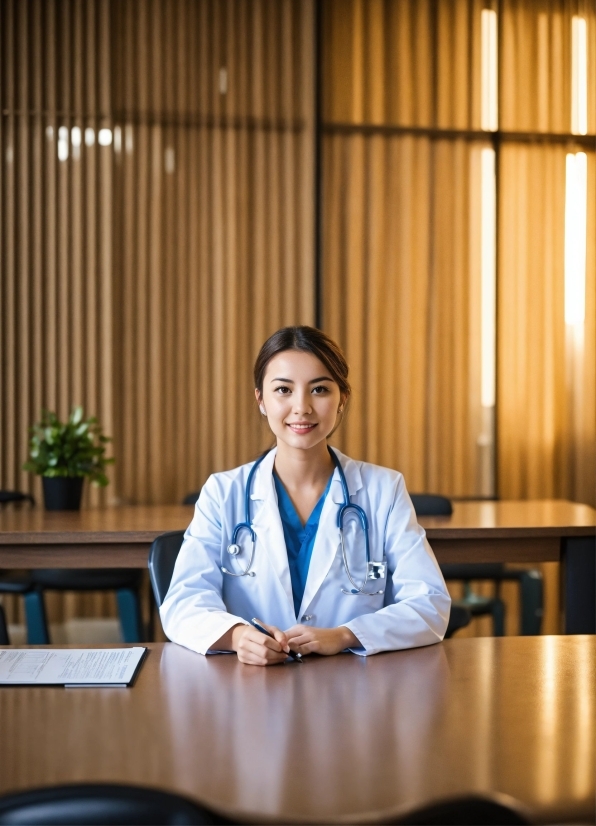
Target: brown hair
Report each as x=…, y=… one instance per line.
x=307, y=340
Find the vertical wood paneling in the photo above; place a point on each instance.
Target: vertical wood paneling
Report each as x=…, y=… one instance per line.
x=56, y=230
x=56, y=222
x=228, y=211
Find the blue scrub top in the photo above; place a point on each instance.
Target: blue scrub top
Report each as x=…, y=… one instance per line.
x=300, y=539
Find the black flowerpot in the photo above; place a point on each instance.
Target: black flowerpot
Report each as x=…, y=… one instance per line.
x=62, y=493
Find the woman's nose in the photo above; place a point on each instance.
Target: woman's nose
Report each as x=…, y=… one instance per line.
x=302, y=403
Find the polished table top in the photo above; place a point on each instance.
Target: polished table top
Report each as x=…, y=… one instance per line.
x=333, y=739
x=142, y=523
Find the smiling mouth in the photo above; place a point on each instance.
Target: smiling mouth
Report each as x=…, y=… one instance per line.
x=306, y=427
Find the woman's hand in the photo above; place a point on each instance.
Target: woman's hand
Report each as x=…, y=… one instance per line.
x=326, y=641
x=254, y=648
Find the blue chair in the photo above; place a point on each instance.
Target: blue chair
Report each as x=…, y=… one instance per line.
x=530, y=581
x=12, y=582
x=105, y=804
x=127, y=583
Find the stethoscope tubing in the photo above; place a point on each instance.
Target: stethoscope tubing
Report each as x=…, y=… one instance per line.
x=234, y=548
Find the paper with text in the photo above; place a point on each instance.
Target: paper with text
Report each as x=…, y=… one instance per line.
x=67, y=666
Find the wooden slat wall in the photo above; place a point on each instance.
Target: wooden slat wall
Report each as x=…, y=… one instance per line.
x=401, y=257
x=214, y=231
x=56, y=222
x=56, y=321
x=141, y=278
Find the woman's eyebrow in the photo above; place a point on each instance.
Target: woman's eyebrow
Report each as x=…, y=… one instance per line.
x=312, y=381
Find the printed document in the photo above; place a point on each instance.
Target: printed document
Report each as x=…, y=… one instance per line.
x=71, y=667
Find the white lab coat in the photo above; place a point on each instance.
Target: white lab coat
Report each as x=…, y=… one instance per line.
x=203, y=603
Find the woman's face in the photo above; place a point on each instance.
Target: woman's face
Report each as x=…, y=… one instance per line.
x=300, y=398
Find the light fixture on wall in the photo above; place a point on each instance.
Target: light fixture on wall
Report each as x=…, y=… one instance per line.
x=76, y=137
x=63, y=143
x=104, y=137
x=489, y=109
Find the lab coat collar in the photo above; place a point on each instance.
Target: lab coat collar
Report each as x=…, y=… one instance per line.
x=268, y=526
x=264, y=487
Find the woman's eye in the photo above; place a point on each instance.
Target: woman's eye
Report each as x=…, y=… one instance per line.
x=320, y=390
x=283, y=391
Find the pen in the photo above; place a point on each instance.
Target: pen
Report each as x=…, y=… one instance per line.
x=260, y=627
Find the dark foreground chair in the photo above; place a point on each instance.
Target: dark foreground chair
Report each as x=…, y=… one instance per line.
x=467, y=811
x=103, y=804
x=162, y=558
x=530, y=581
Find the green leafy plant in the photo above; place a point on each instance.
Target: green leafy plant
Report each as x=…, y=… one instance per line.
x=74, y=448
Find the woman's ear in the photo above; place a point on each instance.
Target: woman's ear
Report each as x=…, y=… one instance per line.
x=260, y=402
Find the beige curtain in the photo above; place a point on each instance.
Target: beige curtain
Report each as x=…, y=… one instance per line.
x=401, y=259
x=401, y=247
x=401, y=294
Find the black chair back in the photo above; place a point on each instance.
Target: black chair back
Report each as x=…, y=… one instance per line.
x=4, y=640
x=101, y=803
x=431, y=504
x=15, y=496
x=162, y=558
x=191, y=498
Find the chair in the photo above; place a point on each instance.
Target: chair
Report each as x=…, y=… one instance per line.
x=15, y=583
x=479, y=811
x=162, y=558
x=126, y=582
x=191, y=498
x=530, y=581
x=3, y=628
x=88, y=804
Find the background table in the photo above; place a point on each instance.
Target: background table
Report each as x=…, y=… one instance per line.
x=514, y=531
x=340, y=737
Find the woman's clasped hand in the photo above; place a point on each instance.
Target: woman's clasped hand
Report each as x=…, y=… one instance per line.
x=255, y=648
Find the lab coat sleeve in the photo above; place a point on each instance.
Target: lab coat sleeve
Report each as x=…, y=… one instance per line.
x=417, y=602
x=193, y=614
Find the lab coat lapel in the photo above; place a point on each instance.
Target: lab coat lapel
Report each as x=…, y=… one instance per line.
x=267, y=523
x=327, y=541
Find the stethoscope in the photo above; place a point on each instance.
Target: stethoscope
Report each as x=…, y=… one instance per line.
x=374, y=570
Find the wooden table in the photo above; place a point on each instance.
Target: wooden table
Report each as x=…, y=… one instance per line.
x=516, y=531
x=335, y=739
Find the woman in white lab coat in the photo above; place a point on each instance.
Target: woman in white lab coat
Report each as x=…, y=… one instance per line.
x=296, y=582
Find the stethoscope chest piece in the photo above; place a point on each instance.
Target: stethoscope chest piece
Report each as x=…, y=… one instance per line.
x=234, y=549
x=377, y=570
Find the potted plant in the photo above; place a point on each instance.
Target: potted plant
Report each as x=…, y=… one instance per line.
x=63, y=454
